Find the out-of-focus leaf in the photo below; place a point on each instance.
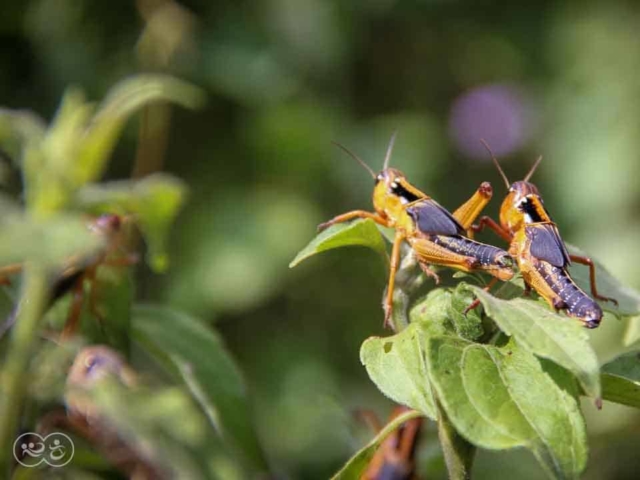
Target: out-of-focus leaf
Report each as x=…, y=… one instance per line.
x=20, y=129
x=501, y=398
x=356, y=466
x=397, y=366
x=546, y=334
x=360, y=232
x=76, y=147
x=621, y=379
x=108, y=320
x=632, y=333
x=153, y=201
x=627, y=297
x=51, y=242
x=163, y=425
x=196, y=353
x=122, y=101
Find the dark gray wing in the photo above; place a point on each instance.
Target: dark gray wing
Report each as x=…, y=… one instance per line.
x=433, y=219
x=547, y=245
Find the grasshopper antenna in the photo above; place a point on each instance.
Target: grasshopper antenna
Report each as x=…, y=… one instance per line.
x=356, y=158
x=389, y=150
x=533, y=169
x=495, y=161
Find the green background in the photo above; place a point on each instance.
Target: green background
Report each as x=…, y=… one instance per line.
x=285, y=78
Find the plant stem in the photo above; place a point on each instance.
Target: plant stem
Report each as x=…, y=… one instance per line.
x=458, y=453
x=14, y=377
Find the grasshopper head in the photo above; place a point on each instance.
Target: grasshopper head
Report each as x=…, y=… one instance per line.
x=523, y=205
x=392, y=192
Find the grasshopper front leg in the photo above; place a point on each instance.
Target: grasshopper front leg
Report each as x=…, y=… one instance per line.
x=354, y=214
x=393, y=268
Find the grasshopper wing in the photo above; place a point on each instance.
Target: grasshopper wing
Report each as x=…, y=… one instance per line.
x=547, y=245
x=433, y=219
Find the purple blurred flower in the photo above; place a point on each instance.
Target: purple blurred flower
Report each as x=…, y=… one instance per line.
x=500, y=114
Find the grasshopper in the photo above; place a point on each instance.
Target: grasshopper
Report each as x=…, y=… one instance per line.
x=436, y=236
x=541, y=254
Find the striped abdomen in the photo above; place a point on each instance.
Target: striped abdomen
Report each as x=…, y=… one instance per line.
x=485, y=255
x=570, y=297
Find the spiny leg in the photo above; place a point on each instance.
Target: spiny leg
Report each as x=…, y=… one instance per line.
x=429, y=273
x=489, y=222
x=393, y=268
x=592, y=277
x=469, y=210
x=354, y=214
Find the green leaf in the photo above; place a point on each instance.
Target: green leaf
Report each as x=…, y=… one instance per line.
x=621, y=379
x=546, y=334
x=195, y=353
x=627, y=297
x=501, y=398
x=163, y=424
x=444, y=360
x=122, y=101
x=553, y=414
x=432, y=312
x=357, y=465
x=397, y=366
x=632, y=333
x=358, y=233
x=20, y=129
x=78, y=144
x=52, y=242
x=468, y=325
x=153, y=201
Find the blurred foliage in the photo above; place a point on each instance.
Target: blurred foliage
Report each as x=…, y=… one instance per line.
x=283, y=78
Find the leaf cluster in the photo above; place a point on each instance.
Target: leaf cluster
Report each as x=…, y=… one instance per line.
x=506, y=375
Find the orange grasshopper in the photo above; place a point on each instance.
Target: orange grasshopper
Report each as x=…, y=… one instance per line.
x=436, y=236
x=541, y=254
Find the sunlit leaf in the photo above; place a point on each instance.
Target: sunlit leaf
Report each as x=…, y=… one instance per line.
x=356, y=466
x=358, y=233
x=621, y=379
x=194, y=352
x=546, y=334
x=444, y=360
x=396, y=364
x=501, y=398
x=153, y=203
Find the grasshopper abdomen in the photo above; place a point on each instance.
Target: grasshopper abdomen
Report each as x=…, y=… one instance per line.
x=568, y=296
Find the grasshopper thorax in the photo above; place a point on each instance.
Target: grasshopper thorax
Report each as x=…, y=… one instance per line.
x=392, y=193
